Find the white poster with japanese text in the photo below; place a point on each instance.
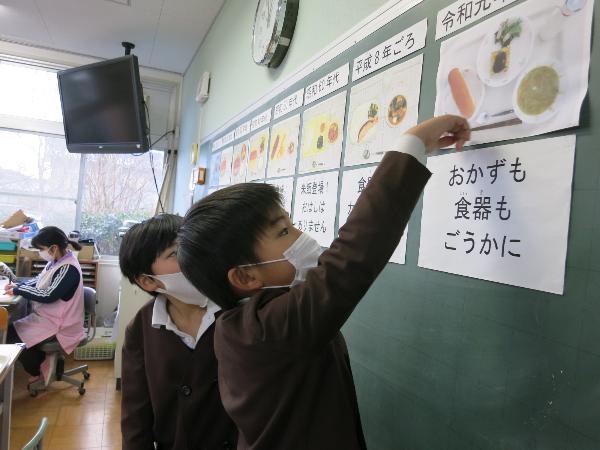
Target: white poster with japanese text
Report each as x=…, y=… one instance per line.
x=400, y=46
x=215, y=169
x=523, y=72
x=239, y=165
x=228, y=138
x=381, y=110
x=260, y=120
x=225, y=166
x=315, y=203
x=257, y=159
x=353, y=183
x=501, y=214
x=242, y=130
x=322, y=135
x=291, y=103
x=285, y=186
x=327, y=84
x=284, y=148
x=465, y=12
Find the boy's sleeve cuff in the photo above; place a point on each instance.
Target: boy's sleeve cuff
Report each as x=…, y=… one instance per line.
x=411, y=145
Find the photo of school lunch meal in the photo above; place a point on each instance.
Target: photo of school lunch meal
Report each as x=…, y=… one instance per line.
x=366, y=118
x=518, y=68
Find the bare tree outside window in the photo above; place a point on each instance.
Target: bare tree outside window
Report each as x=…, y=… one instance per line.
x=118, y=188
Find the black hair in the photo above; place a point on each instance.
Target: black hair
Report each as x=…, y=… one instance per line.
x=220, y=232
x=49, y=236
x=144, y=242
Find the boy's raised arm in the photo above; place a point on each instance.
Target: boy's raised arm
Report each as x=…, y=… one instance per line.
x=311, y=313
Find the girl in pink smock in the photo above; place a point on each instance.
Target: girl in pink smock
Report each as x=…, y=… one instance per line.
x=56, y=298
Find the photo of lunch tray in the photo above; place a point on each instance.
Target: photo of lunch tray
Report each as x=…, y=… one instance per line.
x=521, y=68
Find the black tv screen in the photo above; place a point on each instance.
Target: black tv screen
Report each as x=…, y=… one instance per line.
x=103, y=109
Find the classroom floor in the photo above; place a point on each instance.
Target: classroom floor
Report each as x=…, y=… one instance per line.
x=91, y=421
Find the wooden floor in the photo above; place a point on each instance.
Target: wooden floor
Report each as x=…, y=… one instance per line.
x=91, y=421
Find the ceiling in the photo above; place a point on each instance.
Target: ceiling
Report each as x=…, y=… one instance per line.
x=166, y=33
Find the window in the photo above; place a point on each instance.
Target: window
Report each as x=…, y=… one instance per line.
x=118, y=188
x=39, y=175
x=29, y=92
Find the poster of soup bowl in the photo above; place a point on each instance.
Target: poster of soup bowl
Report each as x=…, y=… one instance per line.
x=524, y=72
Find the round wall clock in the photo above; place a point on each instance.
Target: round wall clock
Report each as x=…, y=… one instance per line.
x=274, y=25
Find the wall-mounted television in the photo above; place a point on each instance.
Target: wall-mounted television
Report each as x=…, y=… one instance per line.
x=103, y=107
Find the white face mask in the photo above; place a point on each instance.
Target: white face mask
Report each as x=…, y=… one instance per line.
x=179, y=287
x=46, y=256
x=303, y=255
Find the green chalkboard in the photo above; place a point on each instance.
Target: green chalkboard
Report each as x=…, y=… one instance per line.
x=448, y=362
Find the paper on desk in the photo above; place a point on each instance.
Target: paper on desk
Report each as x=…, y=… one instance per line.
x=8, y=355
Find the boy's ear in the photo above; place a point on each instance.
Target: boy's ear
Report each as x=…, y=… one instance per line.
x=148, y=284
x=243, y=280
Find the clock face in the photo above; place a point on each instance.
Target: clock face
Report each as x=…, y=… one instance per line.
x=264, y=27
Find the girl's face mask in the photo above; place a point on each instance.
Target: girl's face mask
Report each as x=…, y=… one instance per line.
x=303, y=254
x=179, y=287
x=45, y=255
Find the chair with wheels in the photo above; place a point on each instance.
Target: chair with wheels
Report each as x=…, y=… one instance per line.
x=53, y=347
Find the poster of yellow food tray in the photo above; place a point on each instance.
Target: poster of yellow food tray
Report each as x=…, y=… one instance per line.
x=322, y=135
x=239, y=166
x=284, y=148
x=381, y=110
x=225, y=167
x=257, y=159
x=524, y=72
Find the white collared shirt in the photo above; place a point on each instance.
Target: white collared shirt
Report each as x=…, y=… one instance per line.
x=411, y=145
x=161, y=318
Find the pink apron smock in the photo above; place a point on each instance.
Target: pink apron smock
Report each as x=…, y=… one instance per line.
x=63, y=319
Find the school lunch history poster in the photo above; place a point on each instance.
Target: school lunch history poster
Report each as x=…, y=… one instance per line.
x=284, y=148
x=239, y=165
x=285, y=186
x=322, y=135
x=354, y=183
x=501, y=214
x=315, y=204
x=523, y=72
x=381, y=110
x=225, y=167
x=215, y=169
x=257, y=158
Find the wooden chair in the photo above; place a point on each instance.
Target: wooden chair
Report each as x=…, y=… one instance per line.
x=3, y=324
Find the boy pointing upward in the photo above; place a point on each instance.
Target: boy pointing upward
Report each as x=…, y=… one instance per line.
x=284, y=372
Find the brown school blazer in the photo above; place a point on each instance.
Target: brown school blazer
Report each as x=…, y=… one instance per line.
x=170, y=392
x=284, y=373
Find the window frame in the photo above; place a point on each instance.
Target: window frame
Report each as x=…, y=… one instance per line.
x=56, y=129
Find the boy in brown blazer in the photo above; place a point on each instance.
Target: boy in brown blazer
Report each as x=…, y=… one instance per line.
x=284, y=372
x=169, y=382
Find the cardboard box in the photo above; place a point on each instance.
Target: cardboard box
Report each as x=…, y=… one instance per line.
x=86, y=252
x=16, y=219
